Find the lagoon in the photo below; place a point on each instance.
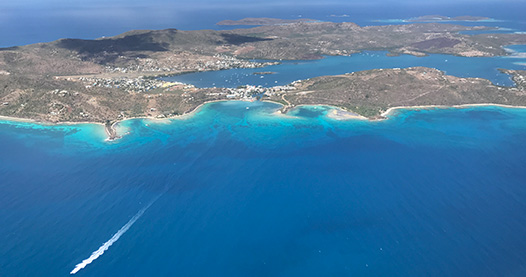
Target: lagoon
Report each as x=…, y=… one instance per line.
x=289, y=71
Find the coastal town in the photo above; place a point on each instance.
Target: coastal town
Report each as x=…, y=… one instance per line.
x=120, y=77
x=183, y=63
x=144, y=84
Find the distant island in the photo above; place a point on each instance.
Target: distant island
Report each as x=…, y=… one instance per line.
x=438, y=18
x=250, y=21
x=114, y=78
x=264, y=73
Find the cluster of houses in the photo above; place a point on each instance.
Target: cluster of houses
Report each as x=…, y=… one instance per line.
x=248, y=91
x=217, y=62
x=137, y=85
x=227, y=62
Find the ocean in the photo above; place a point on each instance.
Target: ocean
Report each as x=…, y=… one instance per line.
x=237, y=189
x=41, y=21
x=232, y=191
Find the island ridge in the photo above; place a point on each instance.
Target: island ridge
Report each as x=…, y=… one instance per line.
x=111, y=79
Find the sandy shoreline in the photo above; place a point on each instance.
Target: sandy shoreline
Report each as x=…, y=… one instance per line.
x=47, y=123
x=17, y=119
x=427, y=107
x=337, y=113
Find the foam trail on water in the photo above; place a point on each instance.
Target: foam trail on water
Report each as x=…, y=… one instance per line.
x=97, y=253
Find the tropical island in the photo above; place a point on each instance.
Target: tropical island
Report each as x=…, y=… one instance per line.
x=264, y=73
x=114, y=78
x=439, y=18
x=249, y=21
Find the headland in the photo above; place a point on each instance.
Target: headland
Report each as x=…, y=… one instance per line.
x=111, y=79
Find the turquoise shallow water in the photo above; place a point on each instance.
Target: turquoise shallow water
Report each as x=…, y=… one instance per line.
x=289, y=71
x=232, y=191
x=236, y=191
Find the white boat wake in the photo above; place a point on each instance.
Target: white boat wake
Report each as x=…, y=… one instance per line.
x=97, y=253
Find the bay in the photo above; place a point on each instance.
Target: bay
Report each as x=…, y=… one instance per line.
x=289, y=71
x=249, y=192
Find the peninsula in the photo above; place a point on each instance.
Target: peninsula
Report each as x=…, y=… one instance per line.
x=250, y=21
x=372, y=92
x=439, y=18
x=114, y=78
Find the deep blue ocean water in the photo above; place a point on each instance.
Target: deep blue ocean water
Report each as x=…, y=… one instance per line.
x=232, y=191
x=40, y=21
x=289, y=71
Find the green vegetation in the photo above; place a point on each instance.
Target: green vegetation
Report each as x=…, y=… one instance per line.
x=114, y=78
x=371, y=92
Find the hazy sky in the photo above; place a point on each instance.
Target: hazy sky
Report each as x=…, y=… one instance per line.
x=29, y=3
